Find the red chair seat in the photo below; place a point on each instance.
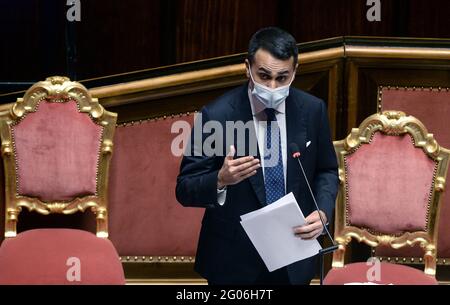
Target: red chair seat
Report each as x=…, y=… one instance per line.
x=40, y=257
x=390, y=274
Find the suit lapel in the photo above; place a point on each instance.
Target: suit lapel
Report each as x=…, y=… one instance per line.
x=296, y=133
x=243, y=112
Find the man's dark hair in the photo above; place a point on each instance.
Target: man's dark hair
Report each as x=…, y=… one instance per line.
x=279, y=43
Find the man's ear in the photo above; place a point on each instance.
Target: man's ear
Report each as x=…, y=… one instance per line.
x=247, y=68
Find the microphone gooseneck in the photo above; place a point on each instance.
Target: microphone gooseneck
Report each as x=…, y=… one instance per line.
x=296, y=155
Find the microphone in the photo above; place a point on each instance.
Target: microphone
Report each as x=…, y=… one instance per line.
x=296, y=155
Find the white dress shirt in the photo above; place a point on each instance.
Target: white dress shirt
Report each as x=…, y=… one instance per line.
x=259, y=120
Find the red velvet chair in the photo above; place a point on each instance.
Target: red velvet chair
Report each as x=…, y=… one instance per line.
x=431, y=105
x=392, y=174
x=56, y=147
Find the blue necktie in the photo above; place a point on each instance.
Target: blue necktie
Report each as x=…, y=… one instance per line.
x=273, y=170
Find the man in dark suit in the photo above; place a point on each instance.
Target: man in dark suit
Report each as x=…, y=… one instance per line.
x=231, y=184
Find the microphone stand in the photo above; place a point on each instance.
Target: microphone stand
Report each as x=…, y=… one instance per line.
x=322, y=252
x=327, y=250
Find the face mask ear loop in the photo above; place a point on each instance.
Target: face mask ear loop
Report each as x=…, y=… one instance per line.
x=250, y=72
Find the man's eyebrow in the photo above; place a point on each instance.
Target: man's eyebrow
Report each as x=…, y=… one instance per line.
x=261, y=69
x=281, y=73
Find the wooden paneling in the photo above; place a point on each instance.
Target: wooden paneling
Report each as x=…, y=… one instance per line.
x=371, y=75
x=221, y=27
x=118, y=36
x=122, y=36
x=319, y=19
x=32, y=46
x=428, y=18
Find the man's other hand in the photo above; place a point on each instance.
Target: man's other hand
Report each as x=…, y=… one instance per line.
x=313, y=227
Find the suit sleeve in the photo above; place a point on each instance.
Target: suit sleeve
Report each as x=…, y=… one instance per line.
x=197, y=180
x=326, y=179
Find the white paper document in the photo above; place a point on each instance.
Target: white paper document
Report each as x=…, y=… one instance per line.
x=271, y=230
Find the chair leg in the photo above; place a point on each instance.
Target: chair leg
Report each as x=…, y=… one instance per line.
x=11, y=222
x=102, y=223
x=430, y=262
x=339, y=257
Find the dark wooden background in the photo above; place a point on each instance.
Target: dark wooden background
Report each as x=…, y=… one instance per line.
x=119, y=36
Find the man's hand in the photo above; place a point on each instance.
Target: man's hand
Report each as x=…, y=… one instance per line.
x=313, y=227
x=234, y=171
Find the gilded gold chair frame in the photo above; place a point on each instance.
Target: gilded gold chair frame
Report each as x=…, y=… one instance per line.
x=56, y=89
x=391, y=123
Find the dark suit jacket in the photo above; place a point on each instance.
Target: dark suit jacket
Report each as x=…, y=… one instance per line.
x=225, y=254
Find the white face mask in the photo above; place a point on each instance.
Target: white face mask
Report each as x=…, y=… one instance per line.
x=271, y=98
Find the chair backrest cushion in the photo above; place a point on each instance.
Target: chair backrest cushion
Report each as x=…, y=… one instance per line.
x=145, y=217
x=389, y=184
x=56, y=150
